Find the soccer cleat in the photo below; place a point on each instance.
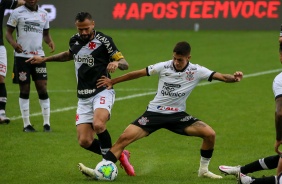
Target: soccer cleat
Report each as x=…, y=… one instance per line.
x=125, y=164
x=229, y=170
x=4, y=119
x=244, y=179
x=47, y=128
x=208, y=174
x=29, y=128
x=86, y=171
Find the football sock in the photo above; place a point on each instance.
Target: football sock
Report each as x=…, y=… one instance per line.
x=270, y=162
x=45, y=108
x=24, y=107
x=110, y=156
x=205, y=159
x=268, y=180
x=95, y=147
x=3, y=97
x=105, y=141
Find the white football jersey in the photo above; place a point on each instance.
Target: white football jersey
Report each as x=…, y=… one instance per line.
x=277, y=85
x=174, y=87
x=29, y=26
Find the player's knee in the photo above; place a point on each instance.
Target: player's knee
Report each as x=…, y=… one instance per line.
x=99, y=127
x=84, y=143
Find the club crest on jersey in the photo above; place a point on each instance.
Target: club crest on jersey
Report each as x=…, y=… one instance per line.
x=91, y=45
x=143, y=121
x=190, y=76
x=22, y=76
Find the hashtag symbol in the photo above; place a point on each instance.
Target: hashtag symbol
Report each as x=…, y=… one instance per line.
x=119, y=10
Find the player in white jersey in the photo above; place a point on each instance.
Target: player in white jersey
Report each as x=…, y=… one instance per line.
x=32, y=26
x=4, y=4
x=95, y=54
x=177, y=78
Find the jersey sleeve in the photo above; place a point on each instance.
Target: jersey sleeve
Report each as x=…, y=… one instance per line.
x=155, y=69
x=205, y=73
x=13, y=19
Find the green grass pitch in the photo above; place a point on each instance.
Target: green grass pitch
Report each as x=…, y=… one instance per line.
x=242, y=114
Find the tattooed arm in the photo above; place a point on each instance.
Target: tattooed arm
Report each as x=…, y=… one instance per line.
x=236, y=77
x=61, y=57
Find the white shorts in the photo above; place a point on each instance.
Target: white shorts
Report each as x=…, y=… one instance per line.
x=3, y=61
x=86, y=106
x=277, y=85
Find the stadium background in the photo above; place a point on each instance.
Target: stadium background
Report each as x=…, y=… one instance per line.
x=169, y=14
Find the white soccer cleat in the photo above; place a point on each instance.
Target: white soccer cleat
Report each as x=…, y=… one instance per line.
x=208, y=174
x=86, y=171
x=229, y=170
x=244, y=179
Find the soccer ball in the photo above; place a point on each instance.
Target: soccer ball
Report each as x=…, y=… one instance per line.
x=106, y=170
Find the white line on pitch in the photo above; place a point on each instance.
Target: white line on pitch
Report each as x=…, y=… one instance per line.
x=147, y=93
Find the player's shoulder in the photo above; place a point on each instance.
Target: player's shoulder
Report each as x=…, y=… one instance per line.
x=41, y=10
x=74, y=38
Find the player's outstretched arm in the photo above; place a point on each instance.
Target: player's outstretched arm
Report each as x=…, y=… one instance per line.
x=104, y=81
x=236, y=77
x=61, y=57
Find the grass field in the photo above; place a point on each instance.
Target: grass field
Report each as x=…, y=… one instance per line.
x=242, y=114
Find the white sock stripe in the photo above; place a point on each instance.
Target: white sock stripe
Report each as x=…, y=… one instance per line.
x=262, y=163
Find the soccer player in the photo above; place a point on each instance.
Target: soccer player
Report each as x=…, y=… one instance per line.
x=268, y=162
x=32, y=25
x=177, y=78
x=95, y=54
x=241, y=172
x=4, y=4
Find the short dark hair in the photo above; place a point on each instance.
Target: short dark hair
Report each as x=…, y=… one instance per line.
x=182, y=48
x=81, y=16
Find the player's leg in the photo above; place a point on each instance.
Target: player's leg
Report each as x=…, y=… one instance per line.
x=200, y=129
x=244, y=179
x=22, y=77
x=3, y=92
x=130, y=134
x=266, y=163
x=39, y=76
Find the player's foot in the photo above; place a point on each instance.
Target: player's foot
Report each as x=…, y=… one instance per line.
x=125, y=164
x=229, y=170
x=29, y=128
x=208, y=174
x=86, y=171
x=46, y=128
x=244, y=179
x=4, y=119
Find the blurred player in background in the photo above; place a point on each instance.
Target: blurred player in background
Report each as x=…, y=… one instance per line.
x=95, y=54
x=32, y=27
x=4, y=4
x=177, y=78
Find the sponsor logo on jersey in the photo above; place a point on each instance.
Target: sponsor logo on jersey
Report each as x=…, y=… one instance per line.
x=167, y=108
x=22, y=76
x=86, y=91
x=32, y=27
x=87, y=59
x=106, y=42
x=168, y=90
x=143, y=121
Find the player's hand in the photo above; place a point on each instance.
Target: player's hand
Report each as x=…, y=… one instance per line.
x=52, y=47
x=277, y=145
x=35, y=60
x=238, y=76
x=112, y=66
x=104, y=81
x=18, y=48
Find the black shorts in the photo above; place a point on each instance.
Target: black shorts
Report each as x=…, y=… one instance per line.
x=22, y=71
x=176, y=122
